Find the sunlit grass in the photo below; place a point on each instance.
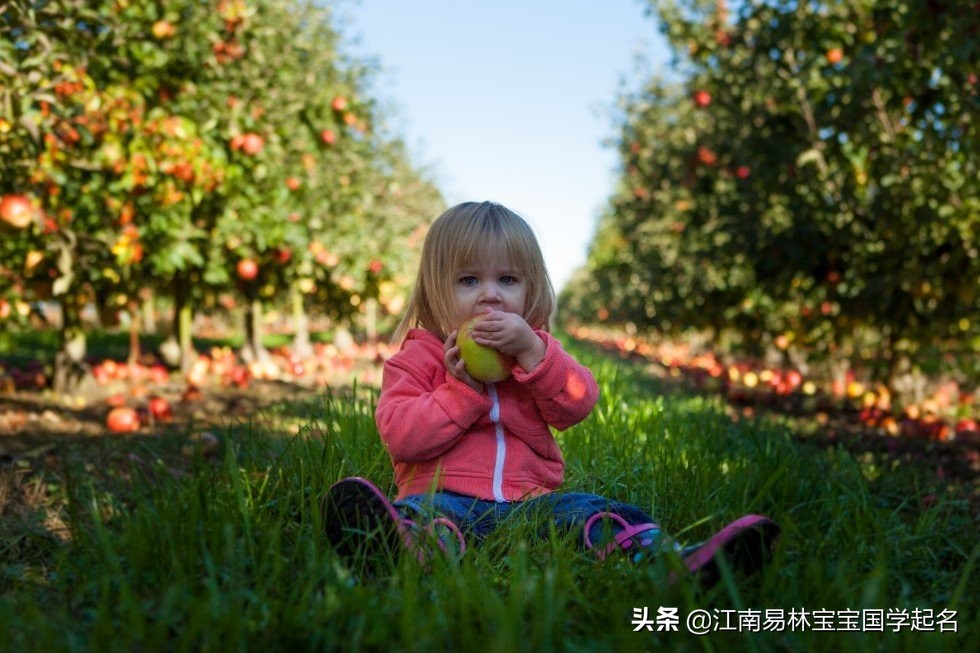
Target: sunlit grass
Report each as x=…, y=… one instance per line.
x=227, y=553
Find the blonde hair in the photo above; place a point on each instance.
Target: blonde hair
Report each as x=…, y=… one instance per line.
x=461, y=237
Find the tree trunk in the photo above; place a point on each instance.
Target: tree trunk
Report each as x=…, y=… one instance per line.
x=371, y=319
x=134, y=332
x=253, y=349
x=148, y=312
x=70, y=367
x=183, y=322
x=301, y=325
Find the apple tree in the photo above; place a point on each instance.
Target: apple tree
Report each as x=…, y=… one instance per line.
x=806, y=177
x=187, y=149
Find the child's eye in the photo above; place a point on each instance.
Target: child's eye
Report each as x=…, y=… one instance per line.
x=468, y=280
x=508, y=280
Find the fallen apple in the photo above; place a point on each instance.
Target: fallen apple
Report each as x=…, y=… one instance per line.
x=160, y=409
x=122, y=419
x=484, y=364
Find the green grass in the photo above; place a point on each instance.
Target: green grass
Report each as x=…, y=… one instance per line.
x=230, y=556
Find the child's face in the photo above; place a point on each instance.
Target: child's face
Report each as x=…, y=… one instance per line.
x=490, y=285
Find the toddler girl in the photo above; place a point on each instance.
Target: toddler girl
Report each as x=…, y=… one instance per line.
x=469, y=455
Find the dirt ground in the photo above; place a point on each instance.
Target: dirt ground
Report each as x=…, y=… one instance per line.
x=29, y=420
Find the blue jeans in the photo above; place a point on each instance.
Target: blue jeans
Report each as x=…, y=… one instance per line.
x=567, y=511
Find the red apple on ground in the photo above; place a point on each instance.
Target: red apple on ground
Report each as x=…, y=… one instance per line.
x=239, y=375
x=122, y=419
x=17, y=210
x=116, y=399
x=160, y=409
x=191, y=394
x=159, y=374
x=484, y=364
x=967, y=425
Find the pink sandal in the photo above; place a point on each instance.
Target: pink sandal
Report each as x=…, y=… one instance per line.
x=359, y=520
x=746, y=545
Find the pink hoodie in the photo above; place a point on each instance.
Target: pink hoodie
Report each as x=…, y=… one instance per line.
x=495, y=445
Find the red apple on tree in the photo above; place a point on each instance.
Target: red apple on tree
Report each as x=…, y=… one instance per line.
x=328, y=136
x=706, y=156
x=247, y=269
x=17, y=210
x=339, y=103
x=702, y=99
x=252, y=143
x=835, y=56
x=163, y=29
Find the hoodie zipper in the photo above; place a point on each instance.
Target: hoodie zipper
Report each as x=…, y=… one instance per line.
x=498, y=465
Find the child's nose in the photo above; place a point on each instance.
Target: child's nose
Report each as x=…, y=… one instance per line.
x=490, y=292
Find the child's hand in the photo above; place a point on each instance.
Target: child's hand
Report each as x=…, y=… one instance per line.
x=454, y=364
x=511, y=335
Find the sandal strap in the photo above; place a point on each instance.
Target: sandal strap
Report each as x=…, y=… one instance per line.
x=418, y=539
x=453, y=528
x=406, y=528
x=623, y=539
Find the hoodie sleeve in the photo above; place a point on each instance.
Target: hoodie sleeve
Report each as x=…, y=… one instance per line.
x=563, y=389
x=422, y=412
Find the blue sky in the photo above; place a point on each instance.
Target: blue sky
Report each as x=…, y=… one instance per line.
x=509, y=100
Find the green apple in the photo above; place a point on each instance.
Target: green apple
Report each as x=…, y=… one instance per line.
x=484, y=364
